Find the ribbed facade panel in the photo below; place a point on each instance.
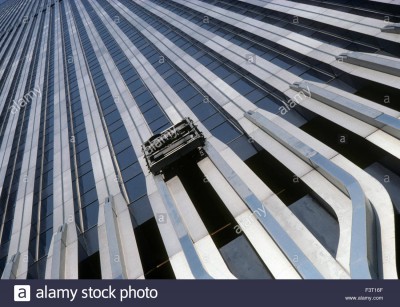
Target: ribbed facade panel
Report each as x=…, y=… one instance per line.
x=296, y=105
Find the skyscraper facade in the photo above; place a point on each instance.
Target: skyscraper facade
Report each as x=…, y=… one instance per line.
x=209, y=139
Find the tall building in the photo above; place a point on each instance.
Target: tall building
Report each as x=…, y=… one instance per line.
x=210, y=139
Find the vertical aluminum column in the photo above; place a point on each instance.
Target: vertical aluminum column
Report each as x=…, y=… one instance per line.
x=63, y=208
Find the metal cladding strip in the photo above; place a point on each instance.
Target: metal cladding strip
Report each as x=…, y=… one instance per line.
x=70, y=259
x=177, y=257
x=267, y=249
x=129, y=47
x=363, y=259
x=8, y=22
x=138, y=132
x=148, y=73
x=13, y=120
x=23, y=13
x=19, y=208
x=55, y=268
x=392, y=28
x=103, y=171
x=334, y=201
x=111, y=230
x=338, y=202
x=29, y=6
x=145, y=133
x=357, y=99
x=365, y=113
x=173, y=105
x=63, y=203
x=7, y=13
x=115, y=83
x=203, y=243
x=11, y=267
x=225, y=96
x=34, y=7
x=379, y=137
x=305, y=45
x=304, y=266
x=375, y=192
x=383, y=207
x=26, y=189
x=12, y=20
x=386, y=64
x=109, y=234
x=280, y=79
x=196, y=265
x=281, y=36
x=174, y=111
x=24, y=9
x=330, y=194
x=353, y=22
x=394, y=2
x=262, y=68
x=12, y=39
x=96, y=138
x=6, y=39
x=86, y=94
x=95, y=135
x=274, y=75
x=212, y=86
x=62, y=192
x=7, y=86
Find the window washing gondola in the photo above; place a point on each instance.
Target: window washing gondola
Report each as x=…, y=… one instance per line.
x=163, y=149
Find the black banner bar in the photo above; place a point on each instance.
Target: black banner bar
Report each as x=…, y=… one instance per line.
x=198, y=293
